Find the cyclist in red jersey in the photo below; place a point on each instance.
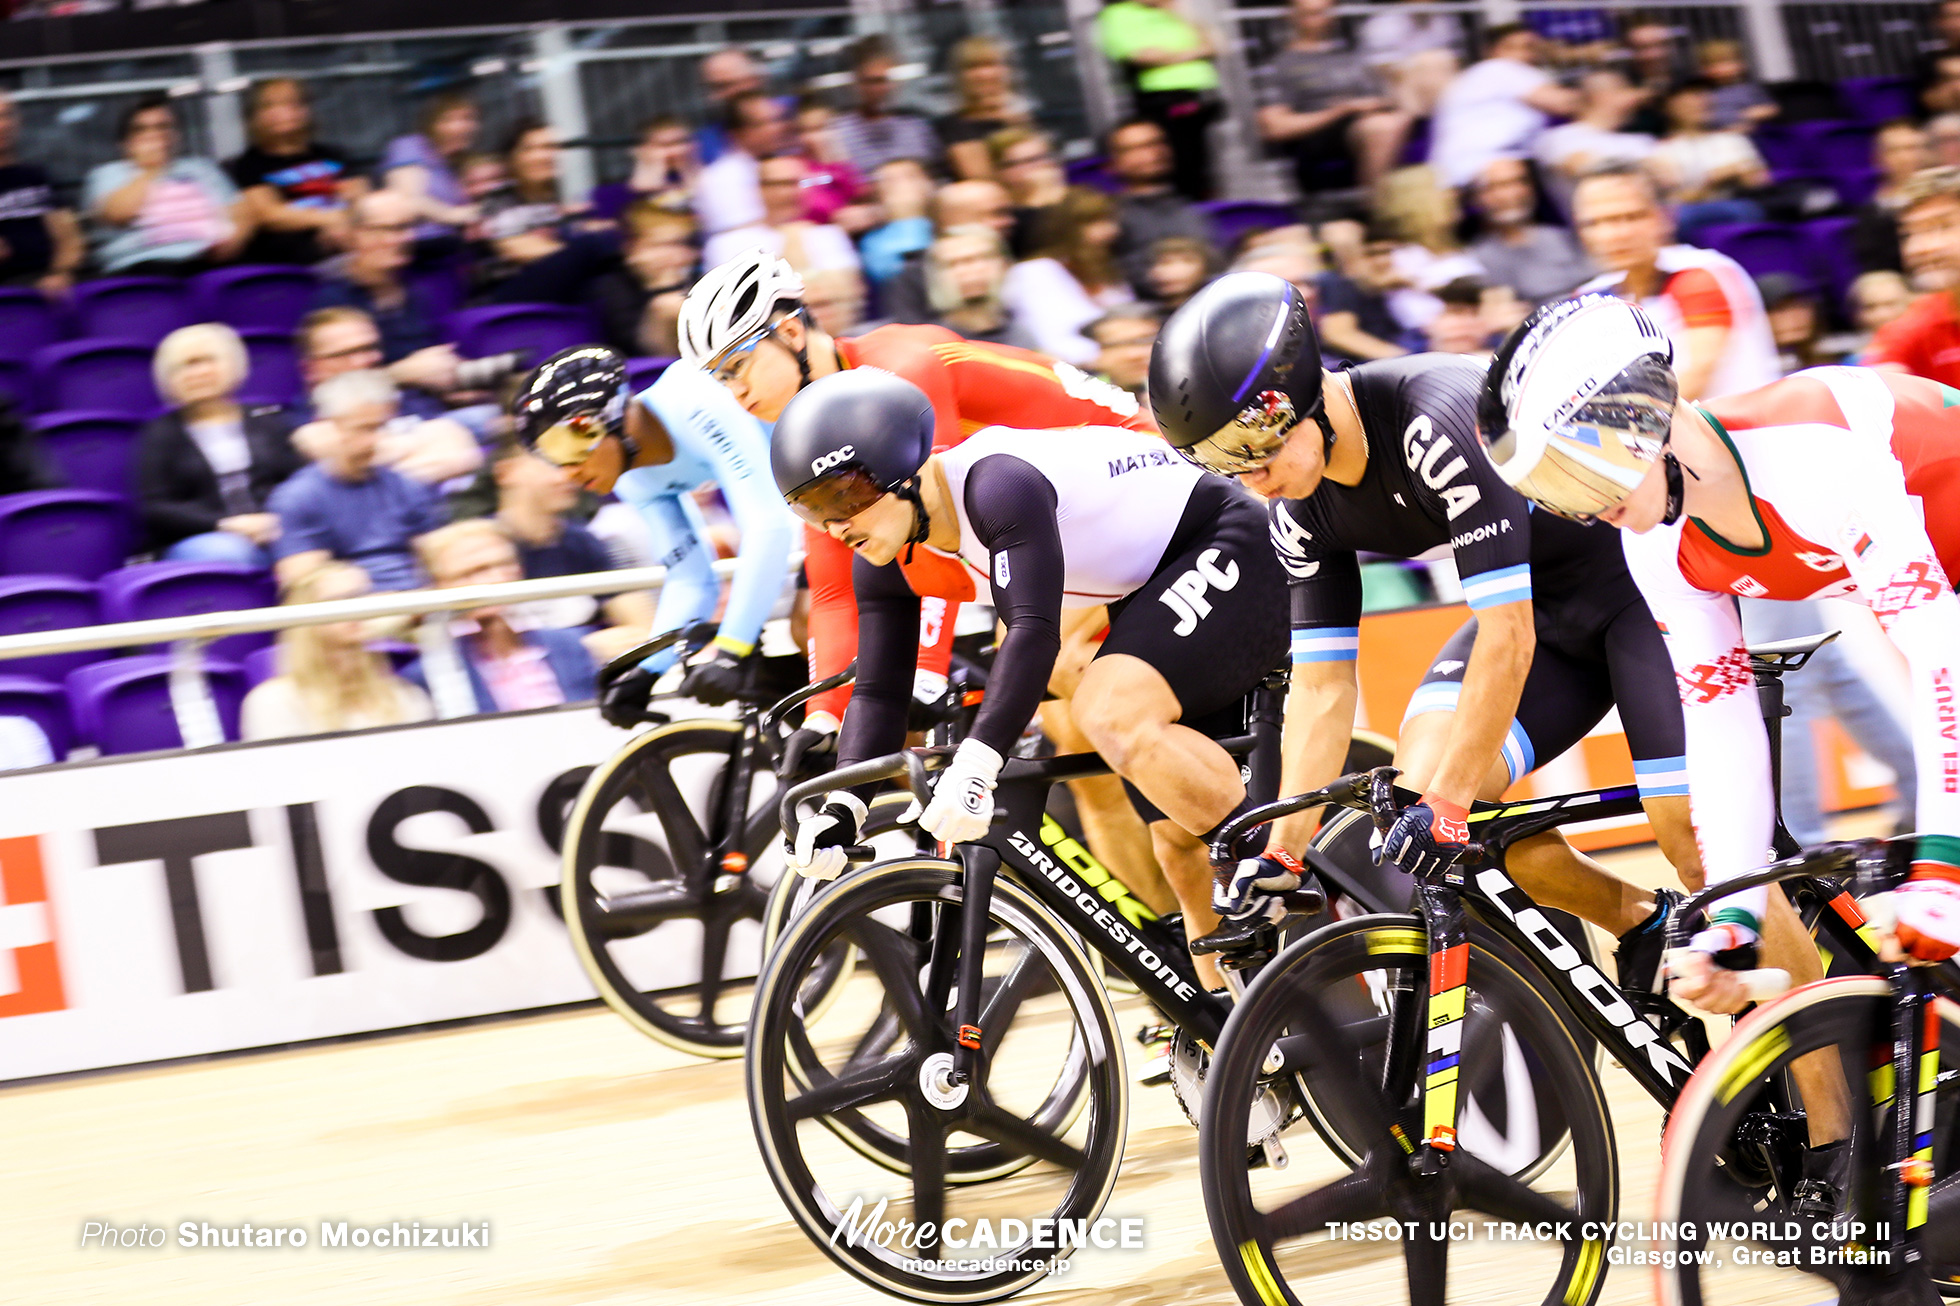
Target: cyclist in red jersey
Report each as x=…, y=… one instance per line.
x=1835, y=482
x=745, y=324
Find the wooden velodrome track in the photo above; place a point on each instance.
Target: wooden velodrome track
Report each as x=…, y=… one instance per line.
x=610, y=1169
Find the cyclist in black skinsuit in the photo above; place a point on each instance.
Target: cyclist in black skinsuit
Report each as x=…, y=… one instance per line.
x=1385, y=458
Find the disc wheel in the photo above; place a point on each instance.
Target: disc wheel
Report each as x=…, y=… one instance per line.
x=1731, y=1158
x=881, y=1056
x=1334, y=1007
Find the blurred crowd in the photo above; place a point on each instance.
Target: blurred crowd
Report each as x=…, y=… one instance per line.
x=1448, y=180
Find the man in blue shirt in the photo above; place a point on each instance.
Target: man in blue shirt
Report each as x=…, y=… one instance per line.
x=345, y=506
x=370, y=276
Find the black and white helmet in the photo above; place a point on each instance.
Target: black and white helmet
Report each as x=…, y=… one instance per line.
x=733, y=303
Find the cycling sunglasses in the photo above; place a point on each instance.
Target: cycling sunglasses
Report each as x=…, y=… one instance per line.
x=728, y=364
x=571, y=442
x=1250, y=440
x=835, y=498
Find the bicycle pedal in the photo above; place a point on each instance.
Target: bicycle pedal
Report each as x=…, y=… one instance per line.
x=1147, y=1035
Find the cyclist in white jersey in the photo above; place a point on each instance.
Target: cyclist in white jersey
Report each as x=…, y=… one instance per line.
x=1832, y=482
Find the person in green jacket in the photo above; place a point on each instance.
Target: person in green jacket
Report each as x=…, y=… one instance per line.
x=1169, y=61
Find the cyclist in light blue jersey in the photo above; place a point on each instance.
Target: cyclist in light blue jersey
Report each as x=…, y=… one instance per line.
x=653, y=449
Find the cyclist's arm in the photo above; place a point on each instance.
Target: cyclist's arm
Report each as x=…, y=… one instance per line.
x=1012, y=509
x=888, y=640
x=679, y=537
x=1324, y=591
x=1500, y=659
x=739, y=458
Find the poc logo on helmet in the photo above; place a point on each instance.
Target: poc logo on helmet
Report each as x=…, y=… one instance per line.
x=821, y=465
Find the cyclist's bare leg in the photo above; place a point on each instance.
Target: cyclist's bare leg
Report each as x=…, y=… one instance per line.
x=1187, y=866
x=1545, y=866
x=1115, y=833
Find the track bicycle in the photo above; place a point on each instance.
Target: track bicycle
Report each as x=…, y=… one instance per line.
x=1729, y=1224
x=1411, y=1000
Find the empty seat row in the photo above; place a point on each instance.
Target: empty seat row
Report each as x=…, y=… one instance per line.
x=1818, y=251
x=119, y=706
x=147, y=591
x=146, y=309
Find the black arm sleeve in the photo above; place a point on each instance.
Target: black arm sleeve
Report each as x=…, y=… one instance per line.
x=1012, y=509
x=888, y=650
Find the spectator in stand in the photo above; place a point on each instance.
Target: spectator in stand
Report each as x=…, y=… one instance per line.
x=1169, y=59
x=41, y=244
x=1025, y=162
x=873, y=133
x=296, y=188
x=1179, y=268
x=538, y=249
x=725, y=75
x=1355, y=321
x=835, y=298
x=534, y=500
x=965, y=271
x=905, y=198
x=425, y=167
x=1423, y=218
x=1900, y=150
x=206, y=469
x=1796, y=321
x=728, y=193
x=664, y=168
x=329, y=679
x=1925, y=339
x=1416, y=54
x=483, y=175
x=1536, y=262
x=1327, y=107
x=508, y=670
x=640, y=300
x=370, y=278
x=1498, y=106
x=1289, y=260
x=1124, y=336
x=957, y=204
x=983, y=84
x=345, y=505
x=1876, y=299
x=1936, y=82
x=1461, y=327
x=1708, y=174
x=785, y=228
x=1704, y=300
x=835, y=191
x=423, y=441
x=1072, y=278
x=1943, y=138
x=1147, y=206
x=1596, y=137
x=1740, y=104
x=157, y=213
x=1658, y=63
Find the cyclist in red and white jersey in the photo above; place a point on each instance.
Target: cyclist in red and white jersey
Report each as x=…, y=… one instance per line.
x=1836, y=482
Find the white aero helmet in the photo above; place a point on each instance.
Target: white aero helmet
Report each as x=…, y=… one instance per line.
x=1578, y=403
x=732, y=304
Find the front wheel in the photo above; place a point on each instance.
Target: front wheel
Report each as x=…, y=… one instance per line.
x=1732, y=1160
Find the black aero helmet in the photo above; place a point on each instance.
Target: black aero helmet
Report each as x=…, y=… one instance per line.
x=847, y=440
x=570, y=402
x=1234, y=370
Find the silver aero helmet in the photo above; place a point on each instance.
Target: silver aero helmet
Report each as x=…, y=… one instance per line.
x=1578, y=404
x=729, y=310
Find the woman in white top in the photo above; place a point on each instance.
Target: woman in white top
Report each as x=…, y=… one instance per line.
x=1707, y=173
x=1072, y=279
x=329, y=679
x=1422, y=215
x=204, y=470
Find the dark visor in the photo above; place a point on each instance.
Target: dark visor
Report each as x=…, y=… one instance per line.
x=837, y=497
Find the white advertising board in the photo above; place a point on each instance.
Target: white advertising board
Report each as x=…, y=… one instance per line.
x=258, y=894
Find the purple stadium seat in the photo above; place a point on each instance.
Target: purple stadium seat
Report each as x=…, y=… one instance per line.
x=17, y=384
x=1833, y=263
x=28, y=322
x=1875, y=100
x=274, y=376
x=1833, y=147
x=132, y=308
x=643, y=372
x=1761, y=247
x=261, y=665
x=439, y=290
x=1856, y=186
x=43, y=703
x=1092, y=172
x=123, y=706
x=1232, y=219
x=99, y=375
x=152, y=590
x=31, y=604
x=540, y=330
x=93, y=450
x=1781, y=149
x=81, y=533
x=266, y=296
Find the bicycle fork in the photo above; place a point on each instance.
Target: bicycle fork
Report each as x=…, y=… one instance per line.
x=1449, y=990
x=1915, y=1071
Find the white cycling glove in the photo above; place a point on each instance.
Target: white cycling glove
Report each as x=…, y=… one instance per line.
x=821, y=839
x=962, y=805
x=1248, y=892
